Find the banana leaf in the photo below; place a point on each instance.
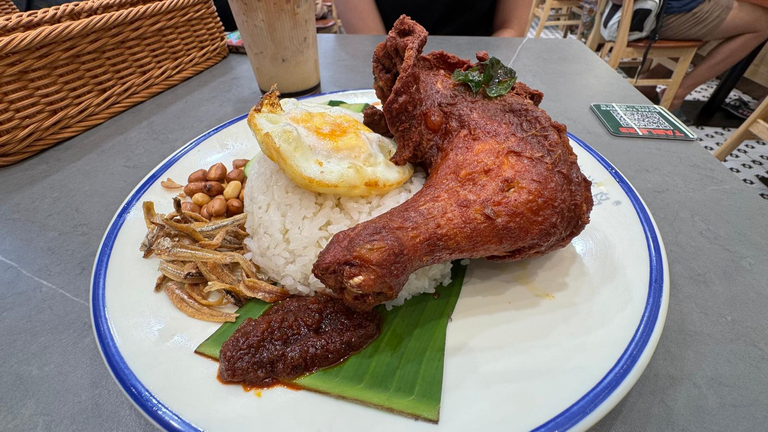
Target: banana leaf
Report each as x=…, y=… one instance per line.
x=401, y=371
x=211, y=347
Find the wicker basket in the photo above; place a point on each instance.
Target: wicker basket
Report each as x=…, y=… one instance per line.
x=7, y=7
x=68, y=68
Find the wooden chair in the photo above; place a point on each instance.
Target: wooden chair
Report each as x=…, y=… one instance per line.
x=545, y=9
x=331, y=23
x=756, y=124
x=662, y=51
x=594, y=38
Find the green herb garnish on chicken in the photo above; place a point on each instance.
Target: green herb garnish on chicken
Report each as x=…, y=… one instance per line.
x=491, y=76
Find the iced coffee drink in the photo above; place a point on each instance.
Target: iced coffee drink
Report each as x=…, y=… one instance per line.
x=281, y=43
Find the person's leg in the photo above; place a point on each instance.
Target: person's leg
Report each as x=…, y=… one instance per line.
x=743, y=30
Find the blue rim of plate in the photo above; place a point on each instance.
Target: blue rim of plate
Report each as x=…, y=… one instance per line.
x=164, y=417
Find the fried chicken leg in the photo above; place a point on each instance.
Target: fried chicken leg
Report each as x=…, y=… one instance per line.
x=503, y=180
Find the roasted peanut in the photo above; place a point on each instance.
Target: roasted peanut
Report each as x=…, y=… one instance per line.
x=190, y=207
x=217, y=172
x=213, y=188
x=232, y=190
x=210, y=188
x=221, y=195
x=205, y=213
x=192, y=188
x=236, y=174
x=239, y=163
x=234, y=207
x=201, y=199
x=242, y=194
x=197, y=176
x=217, y=207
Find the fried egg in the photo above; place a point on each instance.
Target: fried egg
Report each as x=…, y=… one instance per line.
x=325, y=149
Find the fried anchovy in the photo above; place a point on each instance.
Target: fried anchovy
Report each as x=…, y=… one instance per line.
x=179, y=274
x=185, y=229
x=187, y=304
x=168, y=250
x=196, y=291
x=252, y=288
x=148, y=207
x=214, y=271
x=212, y=227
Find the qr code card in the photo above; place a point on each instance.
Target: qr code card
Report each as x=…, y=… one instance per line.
x=641, y=121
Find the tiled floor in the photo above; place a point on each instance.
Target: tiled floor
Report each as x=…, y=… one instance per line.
x=749, y=162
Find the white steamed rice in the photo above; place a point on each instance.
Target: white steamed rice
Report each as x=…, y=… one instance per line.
x=289, y=226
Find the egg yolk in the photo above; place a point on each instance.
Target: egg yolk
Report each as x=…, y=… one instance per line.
x=341, y=134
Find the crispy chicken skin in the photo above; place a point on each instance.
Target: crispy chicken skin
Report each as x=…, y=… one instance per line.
x=375, y=120
x=503, y=180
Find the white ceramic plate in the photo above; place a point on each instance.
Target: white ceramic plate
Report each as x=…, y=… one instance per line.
x=550, y=343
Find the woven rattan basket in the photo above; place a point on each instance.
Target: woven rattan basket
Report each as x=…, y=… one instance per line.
x=68, y=68
x=7, y=7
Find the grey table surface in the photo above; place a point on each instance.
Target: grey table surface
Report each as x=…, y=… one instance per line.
x=709, y=372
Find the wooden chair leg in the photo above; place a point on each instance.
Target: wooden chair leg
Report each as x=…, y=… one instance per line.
x=594, y=38
x=606, y=49
x=569, y=14
x=615, y=58
x=593, y=41
x=580, y=27
x=742, y=133
x=532, y=15
x=677, y=77
x=543, y=17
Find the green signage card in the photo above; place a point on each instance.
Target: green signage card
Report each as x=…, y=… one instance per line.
x=641, y=121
